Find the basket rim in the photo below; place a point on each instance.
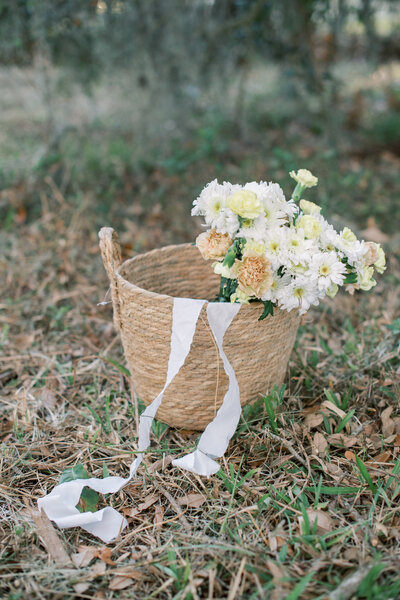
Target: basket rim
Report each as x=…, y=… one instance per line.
x=155, y=295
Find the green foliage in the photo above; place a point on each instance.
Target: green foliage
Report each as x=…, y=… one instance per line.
x=89, y=498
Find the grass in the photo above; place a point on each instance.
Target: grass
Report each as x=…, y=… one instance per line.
x=306, y=502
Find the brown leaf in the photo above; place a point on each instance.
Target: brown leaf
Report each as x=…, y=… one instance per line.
x=104, y=554
x=80, y=588
x=277, y=572
x=313, y=420
x=383, y=457
x=85, y=555
x=333, y=408
x=191, y=500
x=97, y=570
x=159, y=516
x=119, y=582
x=133, y=512
x=324, y=521
x=50, y=538
x=350, y=456
x=341, y=440
x=388, y=425
x=320, y=443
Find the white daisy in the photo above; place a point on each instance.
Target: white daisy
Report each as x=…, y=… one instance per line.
x=275, y=247
x=226, y=222
x=301, y=293
x=297, y=247
x=253, y=229
x=277, y=286
x=327, y=269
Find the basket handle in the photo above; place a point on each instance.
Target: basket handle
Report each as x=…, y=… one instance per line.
x=111, y=255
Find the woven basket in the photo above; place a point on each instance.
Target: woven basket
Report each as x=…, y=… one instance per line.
x=142, y=291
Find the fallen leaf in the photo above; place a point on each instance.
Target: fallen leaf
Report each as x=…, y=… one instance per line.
x=80, y=588
x=388, y=425
x=324, y=521
x=320, y=443
x=85, y=555
x=97, y=570
x=333, y=408
x=159, y=516
x=149, y=501
x=276, y=571
x=383, y=457
x=50, y=538
x=350, y=456
x=191, y=500
x=119, y=583
x=313, y=420
x=341, y=440
x=104, y=554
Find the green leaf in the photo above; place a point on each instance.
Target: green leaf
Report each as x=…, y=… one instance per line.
x=268, y=310
x=77, y=472
x=89, y=498
x=395, y=326
x=335, y=491
x=88, y=501
x=364, y=473
x=351, y=278
x=345, y=420
x=300, y=587
x=120, y=368
x=230, y=257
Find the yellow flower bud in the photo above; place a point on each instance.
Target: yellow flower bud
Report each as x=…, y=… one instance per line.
x=347, y=235
x=221, y=269
x=380, y=263
x=333, y=290
x=309, y=208
x=312, y=228
x=245, y=204
x=366, y=282
x=240, y=297
x=304, y=178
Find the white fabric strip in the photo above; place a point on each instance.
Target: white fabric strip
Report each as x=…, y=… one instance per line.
x=215, y=439
x=107, y=523
x=60, y=504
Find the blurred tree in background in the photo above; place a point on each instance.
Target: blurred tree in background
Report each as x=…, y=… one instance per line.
x=168, y=82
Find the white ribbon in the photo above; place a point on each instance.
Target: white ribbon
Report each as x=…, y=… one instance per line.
x=60, y=504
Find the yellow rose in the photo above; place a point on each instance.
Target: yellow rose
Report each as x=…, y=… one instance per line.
x=309, y=208
x=366, y=282
x=380, y=264
x=347, y=235
x=213, y=245
x=312, y=228
x=258, y=247
x=333, y=290
x=245, y=204
x=304, y=178
x=240, y=297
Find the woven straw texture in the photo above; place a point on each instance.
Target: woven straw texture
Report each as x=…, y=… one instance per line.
x=142, y=293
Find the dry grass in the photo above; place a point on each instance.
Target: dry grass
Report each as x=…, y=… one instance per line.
x=308, y=491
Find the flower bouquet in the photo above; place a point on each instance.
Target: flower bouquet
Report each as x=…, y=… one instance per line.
x=281, y=252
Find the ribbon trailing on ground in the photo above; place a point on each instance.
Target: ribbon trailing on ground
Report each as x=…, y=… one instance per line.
x=60, y=504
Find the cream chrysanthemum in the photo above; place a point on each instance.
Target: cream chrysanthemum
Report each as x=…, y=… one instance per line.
x=213, y=245
x=254, y=273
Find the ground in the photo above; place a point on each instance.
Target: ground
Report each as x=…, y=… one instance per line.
x=306, y=502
